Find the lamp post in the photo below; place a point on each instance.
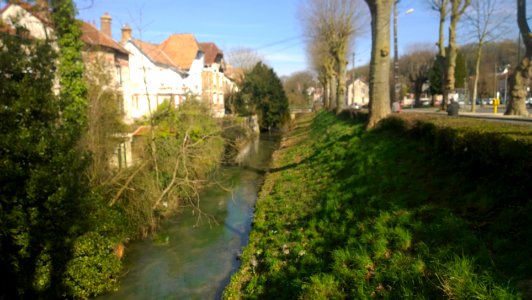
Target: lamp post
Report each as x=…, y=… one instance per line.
x=506, y=83
x=396, y=82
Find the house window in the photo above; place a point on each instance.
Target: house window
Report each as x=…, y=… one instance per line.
x=118, y=75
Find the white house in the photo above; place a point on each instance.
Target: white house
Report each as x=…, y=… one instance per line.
x=158, y=72
x=98, y=45
x=153, y=79
x=32, y=17
x=100, y=52
x=357, y=92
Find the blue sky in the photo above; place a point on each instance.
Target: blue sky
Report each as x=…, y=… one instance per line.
x=270, y=27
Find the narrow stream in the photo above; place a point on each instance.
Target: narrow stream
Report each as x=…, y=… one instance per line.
x=195, y=261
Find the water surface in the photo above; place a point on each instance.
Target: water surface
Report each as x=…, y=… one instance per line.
x=191, y=257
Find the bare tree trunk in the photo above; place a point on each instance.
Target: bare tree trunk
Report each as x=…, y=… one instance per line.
x=441, y=49
x=458, y=8
x=340, y=98
x=441, y=38
x=379, y=79
x=326, y=95
x=418, y=89
x=477, y=74
x=521, y=76
x=333, y=93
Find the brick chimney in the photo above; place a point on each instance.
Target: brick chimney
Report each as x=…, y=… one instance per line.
x=105, y=24
x=126, y=34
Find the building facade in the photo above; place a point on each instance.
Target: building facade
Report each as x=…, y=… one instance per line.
x=357, y=92
x=213, y=78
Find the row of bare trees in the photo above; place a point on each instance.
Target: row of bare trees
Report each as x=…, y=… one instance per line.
x=486, y=21
x=331, y=27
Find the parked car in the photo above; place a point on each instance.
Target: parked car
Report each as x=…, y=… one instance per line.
x=529, y=102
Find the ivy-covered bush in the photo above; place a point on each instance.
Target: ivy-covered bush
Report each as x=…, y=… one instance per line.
x=94, y=268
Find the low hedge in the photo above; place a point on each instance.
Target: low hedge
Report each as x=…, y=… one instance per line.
x=496, y=153
x=497, y=157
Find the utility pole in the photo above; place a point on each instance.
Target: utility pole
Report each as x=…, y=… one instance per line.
x=495, y=82
x=519, y=50
x=395, y=54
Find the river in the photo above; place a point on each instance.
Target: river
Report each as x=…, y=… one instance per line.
x=191, y=259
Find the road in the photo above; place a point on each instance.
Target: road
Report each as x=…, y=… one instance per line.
x=485, y=113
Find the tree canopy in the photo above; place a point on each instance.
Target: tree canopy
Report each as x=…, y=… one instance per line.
x=262, y=93
x=44, y=192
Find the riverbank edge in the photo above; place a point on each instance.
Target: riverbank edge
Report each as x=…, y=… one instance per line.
x=296, y=134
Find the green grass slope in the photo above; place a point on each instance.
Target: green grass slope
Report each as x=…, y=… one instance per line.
x=401, y=212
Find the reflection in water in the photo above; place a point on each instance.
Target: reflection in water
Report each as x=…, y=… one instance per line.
x=196, y=262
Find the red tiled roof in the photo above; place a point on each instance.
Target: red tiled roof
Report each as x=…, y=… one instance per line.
x=211, y=52
x=141, y=130
x=178, y=51
x=154, y=53
x=92, y=36
x=182, y=49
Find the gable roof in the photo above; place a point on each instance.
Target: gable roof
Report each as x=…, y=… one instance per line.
x=38, y=12
x=154, y=53
x=211, y=52
x=182, y=49
x=94, y=37
x=178, y=51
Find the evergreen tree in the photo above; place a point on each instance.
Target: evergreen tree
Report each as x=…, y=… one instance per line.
x=460, y=72
x=43, y=193
x=29, y=113
x=436, y=76
x=262, y=93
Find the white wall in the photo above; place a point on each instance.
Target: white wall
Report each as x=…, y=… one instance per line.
x=149, y=83
x=361, y=93
x=194, y=82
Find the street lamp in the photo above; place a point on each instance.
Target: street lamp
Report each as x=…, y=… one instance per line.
x=506, y=83
x=396, y=51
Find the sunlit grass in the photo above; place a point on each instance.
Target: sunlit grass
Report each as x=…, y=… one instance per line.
x=347, y=213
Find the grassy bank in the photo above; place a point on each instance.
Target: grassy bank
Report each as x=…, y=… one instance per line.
x=393, y=213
